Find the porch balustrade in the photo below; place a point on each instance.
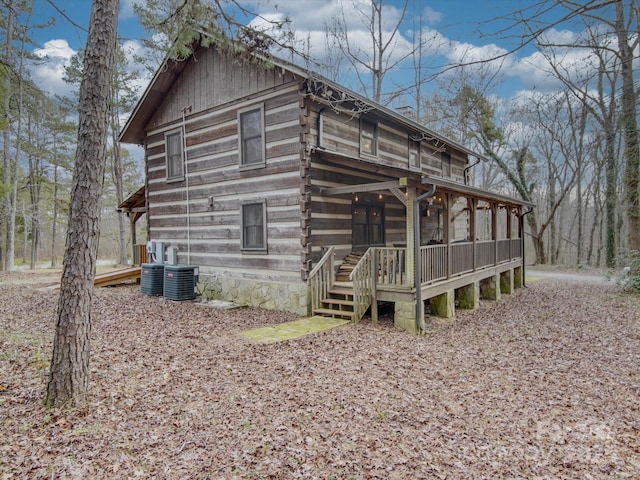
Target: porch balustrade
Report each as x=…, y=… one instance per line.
x=321, y=278
x=485, y=253
x=434, y=260
x=391, y=265
x=461, y=258
x=504, y=250
x=433, y=266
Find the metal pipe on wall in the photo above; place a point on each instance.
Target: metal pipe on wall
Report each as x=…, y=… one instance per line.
x=186, y=178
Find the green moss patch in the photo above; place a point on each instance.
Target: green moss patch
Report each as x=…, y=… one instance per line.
x=295, y=329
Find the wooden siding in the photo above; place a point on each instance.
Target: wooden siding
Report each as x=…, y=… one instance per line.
x=341, y=134
x=218, y=188
x=213, y=79
x=331, y=215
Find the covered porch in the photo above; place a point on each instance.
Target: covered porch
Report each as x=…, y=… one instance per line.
x=460, y=242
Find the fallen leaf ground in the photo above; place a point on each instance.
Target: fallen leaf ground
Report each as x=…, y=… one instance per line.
x=544, y=384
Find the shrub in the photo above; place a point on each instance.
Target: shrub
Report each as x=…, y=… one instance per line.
x=629, y=279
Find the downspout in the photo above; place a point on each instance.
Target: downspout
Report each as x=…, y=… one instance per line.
x=524, y=277
x=416, y=255
x=186, y=178
x=467, y=168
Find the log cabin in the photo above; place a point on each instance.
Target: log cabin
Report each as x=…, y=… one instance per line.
x=292, y=192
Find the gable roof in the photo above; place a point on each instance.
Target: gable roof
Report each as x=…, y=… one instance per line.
x=170, y=70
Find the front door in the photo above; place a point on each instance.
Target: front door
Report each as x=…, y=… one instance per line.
x=367, y=225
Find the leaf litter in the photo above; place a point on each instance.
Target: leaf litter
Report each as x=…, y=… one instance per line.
x=543, y=384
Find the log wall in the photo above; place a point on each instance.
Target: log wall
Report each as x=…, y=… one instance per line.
x=218, y=187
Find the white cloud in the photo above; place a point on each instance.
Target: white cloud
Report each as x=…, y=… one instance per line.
x=126, y=9
x=431, y=16
x=48, y=72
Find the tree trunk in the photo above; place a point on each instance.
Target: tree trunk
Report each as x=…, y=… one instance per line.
x=54, y=220
x=610, y=200
x=69, y=373
x=629, y=126
x=6, y=138
x=118, y=180
x=538, y=238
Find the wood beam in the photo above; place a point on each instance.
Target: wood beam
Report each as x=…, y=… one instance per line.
x=363, y=187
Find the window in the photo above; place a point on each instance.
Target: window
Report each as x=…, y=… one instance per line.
x=254, y=227
x=414, y=153
x=252, y=150
x=173, y=142
x=367, y=225
x=368, y=137
x=445, y=157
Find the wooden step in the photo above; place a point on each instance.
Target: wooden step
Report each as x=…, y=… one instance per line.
x=338, y=301
x=329, y=312
x=341, y=291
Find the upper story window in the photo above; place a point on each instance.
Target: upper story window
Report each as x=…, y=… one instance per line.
x=173, y=146
x=414, y=153
x=368, y=137
x=445, y=157
x=254, y=227
x=252, y=141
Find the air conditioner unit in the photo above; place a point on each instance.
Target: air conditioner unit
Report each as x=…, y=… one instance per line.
x=180, y=282
x=152, y=278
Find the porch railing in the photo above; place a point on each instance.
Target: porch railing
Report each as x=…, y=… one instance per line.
x=485, y=253
x=504, y=250
x=433, y=263
x=461, y=258
x=391, y=265
x=364, y=284
x=321, y=278
x=516, y=248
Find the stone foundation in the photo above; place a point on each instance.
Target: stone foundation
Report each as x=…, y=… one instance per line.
x=518, y=280
x=272, y=295
x=443, y=305
x=506, y=282
x=490, y=288
x=404, y=317
x=469, y=296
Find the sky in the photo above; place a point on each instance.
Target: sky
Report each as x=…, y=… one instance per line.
x=458, y=31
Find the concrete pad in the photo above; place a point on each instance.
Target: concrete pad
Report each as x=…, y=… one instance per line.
x=295, y=329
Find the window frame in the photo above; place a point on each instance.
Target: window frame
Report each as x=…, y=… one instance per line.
x=369, y=225
x=374, y=137
x=414, y=149
x=242, y=140
x=445, y=159
x=174, y=177
x=253, y=249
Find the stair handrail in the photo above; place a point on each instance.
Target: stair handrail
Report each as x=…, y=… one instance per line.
x=321, y=278
x=364, y=284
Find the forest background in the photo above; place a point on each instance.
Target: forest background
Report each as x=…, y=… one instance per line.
x=545, y=92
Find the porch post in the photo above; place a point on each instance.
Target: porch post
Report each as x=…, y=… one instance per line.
x=494, y=231
x=446, y=230
x=407, y=315
x=410, y=234
x=509, y=219
x=472, y=204
x=134, y=240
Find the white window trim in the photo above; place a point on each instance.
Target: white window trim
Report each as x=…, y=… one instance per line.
x=262, y=249
x=263, y=144
x=179, y=177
